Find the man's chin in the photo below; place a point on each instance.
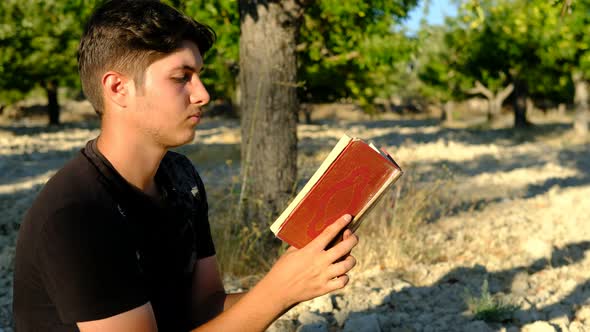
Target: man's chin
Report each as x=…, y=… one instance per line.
x=183, y=140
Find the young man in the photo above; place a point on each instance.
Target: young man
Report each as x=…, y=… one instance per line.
x=119, y=239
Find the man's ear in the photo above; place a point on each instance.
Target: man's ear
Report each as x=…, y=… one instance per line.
x=116, y=87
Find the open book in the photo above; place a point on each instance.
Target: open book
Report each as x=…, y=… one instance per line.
x=349, y=181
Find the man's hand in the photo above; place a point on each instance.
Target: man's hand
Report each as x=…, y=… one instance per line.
x=299, y=275
x=309, y=272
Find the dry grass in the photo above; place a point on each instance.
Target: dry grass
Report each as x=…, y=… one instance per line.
x=391, y=235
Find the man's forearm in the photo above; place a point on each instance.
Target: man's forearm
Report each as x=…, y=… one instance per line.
x=214, y=305
x=231, y=299
x=254, y=311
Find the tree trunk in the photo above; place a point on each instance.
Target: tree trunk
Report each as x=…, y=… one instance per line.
x=520, y=96
x=495, y=101
x=268, y=107
x=52, y=102
x=561, y=109
x=447, y=112
x=306, y=110
x=581, y=105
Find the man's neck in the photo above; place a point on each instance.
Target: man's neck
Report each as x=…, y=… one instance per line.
x=136, y=159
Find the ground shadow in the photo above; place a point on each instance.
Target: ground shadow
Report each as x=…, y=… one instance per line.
x=17, y=168
x=504, y=136
x=36, y=129
x=404, y=309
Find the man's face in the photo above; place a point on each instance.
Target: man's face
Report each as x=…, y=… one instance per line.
x=168, y=103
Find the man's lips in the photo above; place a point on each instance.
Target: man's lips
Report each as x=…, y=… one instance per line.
x=195, y=115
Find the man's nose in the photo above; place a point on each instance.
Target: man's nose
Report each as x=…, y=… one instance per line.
x=199, y=94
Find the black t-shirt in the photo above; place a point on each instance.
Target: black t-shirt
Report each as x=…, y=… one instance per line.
x=93, y=246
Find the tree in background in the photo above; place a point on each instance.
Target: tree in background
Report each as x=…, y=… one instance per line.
x=350, y=49
x=268, y=82
x=534, y=45
x=570, y=52
x=221, y=62
x=38, y=47
x=442, y=83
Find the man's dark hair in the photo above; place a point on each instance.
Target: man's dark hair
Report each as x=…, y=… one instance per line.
x=129, y=35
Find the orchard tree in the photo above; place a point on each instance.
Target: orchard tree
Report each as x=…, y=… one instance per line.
x=438, y=53
x=221, y=62
x=571, y=52
x=541, y=47
x=349, y=49
x=344, y=48
x=269, y=105
x=38, y=47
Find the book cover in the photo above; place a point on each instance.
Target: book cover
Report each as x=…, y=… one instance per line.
x=350, y=181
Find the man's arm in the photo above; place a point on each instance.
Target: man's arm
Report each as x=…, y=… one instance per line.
x=140, y=319
x=298, y=275
x=208, y=294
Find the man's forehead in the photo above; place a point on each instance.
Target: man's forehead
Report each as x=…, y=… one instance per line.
x=182, y=59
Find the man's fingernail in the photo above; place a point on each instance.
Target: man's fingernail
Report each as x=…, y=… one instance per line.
x=347, y=217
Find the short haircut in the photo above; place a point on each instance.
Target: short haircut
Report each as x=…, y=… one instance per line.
x=129, y=35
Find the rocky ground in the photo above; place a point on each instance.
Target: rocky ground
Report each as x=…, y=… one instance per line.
x=516, y=238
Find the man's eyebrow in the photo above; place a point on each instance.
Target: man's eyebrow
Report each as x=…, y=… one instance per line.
x=188, y=67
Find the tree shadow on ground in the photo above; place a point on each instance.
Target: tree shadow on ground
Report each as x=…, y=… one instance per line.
x=573, y=157
x=504, y=136
x=443, y=305
x=16, y=168
x=36, y=129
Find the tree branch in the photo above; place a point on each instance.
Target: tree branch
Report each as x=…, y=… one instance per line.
x=481, y=89
x=505, y=92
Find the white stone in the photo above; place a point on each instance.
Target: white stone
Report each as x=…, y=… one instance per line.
x=520, y=284
x=537, y=248
x=538, y=326
x=321, y=304
x=583, y=314
x=578, y=327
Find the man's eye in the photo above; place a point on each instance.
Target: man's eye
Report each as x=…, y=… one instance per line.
x=183, y=79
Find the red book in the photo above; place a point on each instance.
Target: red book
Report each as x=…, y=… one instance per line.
x=350, y=181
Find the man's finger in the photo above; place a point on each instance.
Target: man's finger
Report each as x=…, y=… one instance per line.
x=340, y=268
x=341, y=249
x=322, y=240
x=347, y=234
x=337, y=283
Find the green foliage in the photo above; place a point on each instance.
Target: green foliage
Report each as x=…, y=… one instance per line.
x=38, y=43
x=349, y=49
x=221, y=62
x=533, y=41
x=440, y=51
x=488, y=307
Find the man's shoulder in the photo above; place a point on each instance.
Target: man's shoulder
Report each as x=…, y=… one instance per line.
x=77, y=183
x=179, y=168
x=72, y=197
x=183, y=175
x=176, y=160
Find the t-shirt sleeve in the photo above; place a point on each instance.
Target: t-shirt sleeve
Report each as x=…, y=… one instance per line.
x=88, y=265
x=205, y=246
